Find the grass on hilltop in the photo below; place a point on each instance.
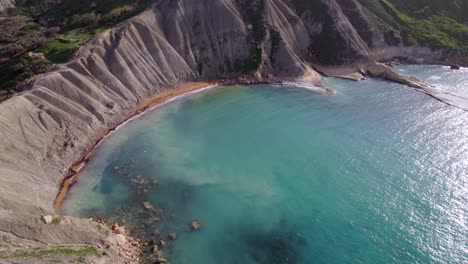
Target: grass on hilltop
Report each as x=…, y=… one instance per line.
x=53, y=251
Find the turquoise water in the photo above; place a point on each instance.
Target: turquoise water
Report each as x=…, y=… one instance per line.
x=377, y=173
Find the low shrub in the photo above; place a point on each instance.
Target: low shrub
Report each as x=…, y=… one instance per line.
x=85, y=20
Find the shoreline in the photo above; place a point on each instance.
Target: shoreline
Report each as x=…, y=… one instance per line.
x=144, y=107
x=189, y=88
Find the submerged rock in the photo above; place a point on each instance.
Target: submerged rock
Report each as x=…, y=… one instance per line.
x=161, y=260
x=195, y=225
x=147, y=205
x=281, y=244
x=158, y=253
x=455, y=67
x=155, y=248
x=151, y=220
x=162, y=243
x=172, y=236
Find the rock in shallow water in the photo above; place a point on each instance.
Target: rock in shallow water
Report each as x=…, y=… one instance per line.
x=155, y=248
x=195, y=225
x=118, y=229
x=161, y=260
x=147, y=205
x=162, y=243
x=172, y=236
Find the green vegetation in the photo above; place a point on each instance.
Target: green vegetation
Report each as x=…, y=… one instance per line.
x=457, y=9
x=436, y=31
x=60, y=28
x=53, y=251
x=33, y=26
x=19, y=69
x=9, y=74
x=433, y=23
x=254, y=13
x=63, y=48
x=200, y=68
x=256, y=60
x=56, y=220
x=64, y=9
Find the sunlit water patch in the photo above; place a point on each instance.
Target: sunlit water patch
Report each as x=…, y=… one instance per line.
x=441, y=76
x=377, y=173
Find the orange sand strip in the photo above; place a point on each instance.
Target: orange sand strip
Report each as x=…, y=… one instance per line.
x=151, y=102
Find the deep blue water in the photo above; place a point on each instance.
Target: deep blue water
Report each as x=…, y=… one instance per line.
x=377, y=173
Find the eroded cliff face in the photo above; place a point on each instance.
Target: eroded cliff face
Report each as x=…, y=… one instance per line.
x=46, y=128
x=6, y=6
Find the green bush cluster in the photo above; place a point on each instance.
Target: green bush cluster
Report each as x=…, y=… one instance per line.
x=63, y=48
x=440, y=30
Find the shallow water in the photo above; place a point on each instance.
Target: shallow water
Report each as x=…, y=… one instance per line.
x=377, y=173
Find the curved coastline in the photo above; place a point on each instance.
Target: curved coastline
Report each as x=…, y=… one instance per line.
x=143, y=108
x=162, y=147
x=146, y=107
x=189, y=88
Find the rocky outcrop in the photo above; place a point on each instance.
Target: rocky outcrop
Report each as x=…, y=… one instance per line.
x=6, y=6
x=453, y=98
x=45, y=129
x=23, y=235
x=383, y=71
x=374, y=69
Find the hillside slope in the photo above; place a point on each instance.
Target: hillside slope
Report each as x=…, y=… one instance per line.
x=439, y=24
x=6, y=6
x=57, y=28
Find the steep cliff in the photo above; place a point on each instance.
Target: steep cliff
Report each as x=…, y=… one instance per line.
x=46, y=128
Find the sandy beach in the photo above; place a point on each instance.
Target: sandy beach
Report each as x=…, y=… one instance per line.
x=150, y=103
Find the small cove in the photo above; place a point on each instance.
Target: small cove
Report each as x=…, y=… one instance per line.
x=376, y=173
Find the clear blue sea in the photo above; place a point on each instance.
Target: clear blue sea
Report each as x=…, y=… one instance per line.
x=377, y=173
